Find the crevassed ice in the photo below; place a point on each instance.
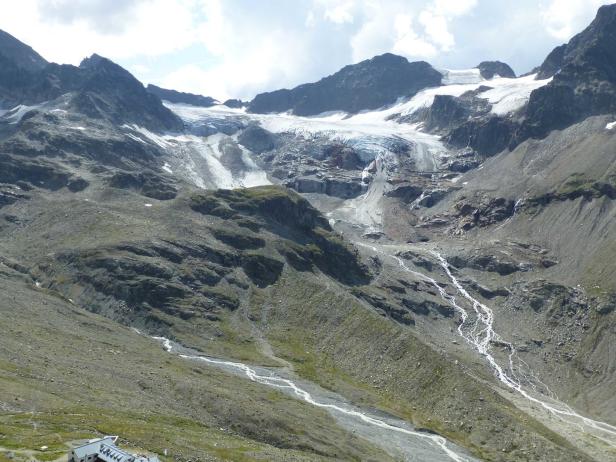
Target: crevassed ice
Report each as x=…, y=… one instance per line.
x=369, y=130
x=189, y=113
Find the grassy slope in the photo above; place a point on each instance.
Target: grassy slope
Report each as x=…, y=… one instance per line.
x=383, y=365
x=67, y=374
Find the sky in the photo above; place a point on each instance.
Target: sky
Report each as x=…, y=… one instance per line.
x=238, y=48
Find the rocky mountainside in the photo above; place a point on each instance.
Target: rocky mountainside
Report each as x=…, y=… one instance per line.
x=582, y=85
x=584, y=80
x=98, y=88
x=20, y=54
x=369, y=84
x=423, y=275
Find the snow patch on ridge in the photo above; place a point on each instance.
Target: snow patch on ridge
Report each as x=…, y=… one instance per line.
x=509, y=95
x=506, y=95
x=610, y=126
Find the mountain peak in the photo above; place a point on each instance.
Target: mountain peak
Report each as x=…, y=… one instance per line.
x=179, y=97
x=489, y=69
x=389, y=58
x=584, y=80
x=93, y=61
x=98, y=62
x=593, y=48
x=369, y=84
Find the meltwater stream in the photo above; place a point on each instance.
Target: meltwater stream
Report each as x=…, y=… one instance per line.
x=480, y=333
x=485, y=316
x=393, y=435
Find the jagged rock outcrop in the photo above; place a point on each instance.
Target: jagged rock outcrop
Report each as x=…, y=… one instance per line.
x=500, y=264
x=146, y=183
x=369, y=84
x=31, y=173
x=407, y=192
x=483, y=211
x=344, y=157
x=257, y=139
x=307, y=239
x=234, y=103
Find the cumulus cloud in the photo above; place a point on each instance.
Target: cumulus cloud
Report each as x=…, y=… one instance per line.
x=97, y=14
x=338, y=12
x=67, y=31
x=407, y=42
x=420, y=29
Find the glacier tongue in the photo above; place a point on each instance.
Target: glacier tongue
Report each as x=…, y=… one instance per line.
x=215, y=161
x=393, y=147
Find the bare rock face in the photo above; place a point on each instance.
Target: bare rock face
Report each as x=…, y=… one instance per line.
x=342, y=187
x=552, y=63
x=488, y=136
x=344, y=157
